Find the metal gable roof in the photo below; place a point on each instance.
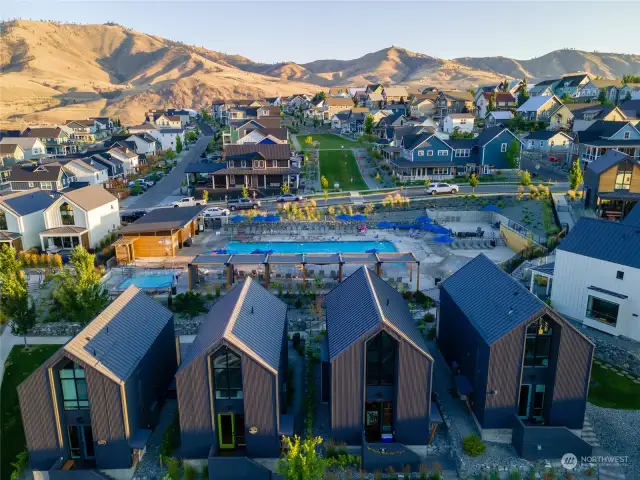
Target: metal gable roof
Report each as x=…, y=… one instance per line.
x=606, y=161
x=633, y=218
x=493, y=302
x=117, y=339
x=362, y=302
x=605, y=240
x=250, y=318
x=27, y=202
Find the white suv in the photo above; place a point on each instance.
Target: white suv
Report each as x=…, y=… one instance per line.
x=187, y=202
x=436, y=188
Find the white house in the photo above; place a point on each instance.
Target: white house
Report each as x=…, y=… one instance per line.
x=33, y=148
x=80, y=217
x=92, y=174
x=548, y=141
x=145, y=143
x=22, y=219
x=462, y=121
x=129, y=159
x=596, y=276
x=168, y=137
x=169, y=121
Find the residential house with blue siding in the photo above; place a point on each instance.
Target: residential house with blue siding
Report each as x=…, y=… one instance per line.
x=570, y=85
x=522, y=367
x=94, y=403
x=603, y=136
x=376, y=369
x=426, y=155
x=231, y=382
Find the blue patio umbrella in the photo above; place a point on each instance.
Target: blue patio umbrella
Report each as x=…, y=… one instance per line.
x=491, y=208
x=343, y=217
x=258, y=218
x=221, y=251
x=444, y=239
x=424, y=219
x=385, y=224
x=407, y=226
x=439, y=229
x=359, y=217
x=238, y=219
x=262, y=252
x=372, y=250
x=272, y=218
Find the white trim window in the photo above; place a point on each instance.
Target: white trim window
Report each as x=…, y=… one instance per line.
x=429, y=153
x=49, y=185
x=421, y=153
x=503, y=147
x=443, y=153
x=440, y=171
x=627, y=135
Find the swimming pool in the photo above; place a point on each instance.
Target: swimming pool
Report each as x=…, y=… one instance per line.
x=310, y=247
x=149, y=280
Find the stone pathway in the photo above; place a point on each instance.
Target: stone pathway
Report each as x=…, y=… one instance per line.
x=149, y=467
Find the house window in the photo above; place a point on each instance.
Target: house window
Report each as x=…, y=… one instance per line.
x=381, y=359
x=627, y=135
x=440, y=171
x=619, y=274
x=538, y=344
x=429, y=153
x=538, y=402
x=46, y=185
x=531, y=143
x=243, y=164
x=3, y=220
x=232, y=179
x=66, y=214
x=602, y=310
x=553, y=143
x=274, y=163
x=30, y=184
x=443, y=153
x=227, y=374
x=74, y=388
x=503, y=147
x=623, y=177
x=231, y=163
x=463, y=121
x=421, y=153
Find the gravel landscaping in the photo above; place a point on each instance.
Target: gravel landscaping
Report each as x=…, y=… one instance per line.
x=617, y=432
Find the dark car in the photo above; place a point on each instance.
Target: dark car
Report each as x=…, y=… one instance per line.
x=129, y=217
x=242, y=204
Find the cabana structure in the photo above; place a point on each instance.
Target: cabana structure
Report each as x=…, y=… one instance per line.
x=230, y=261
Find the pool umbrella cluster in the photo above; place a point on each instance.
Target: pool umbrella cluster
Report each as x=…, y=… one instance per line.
x=491, y=208
x=272, y=218
x=238, y=219
x=444, y=239
x=262, y=252
x=259, y=218
x=351, y=218
x=385, y=224
x=439, y=229
x=424, y=219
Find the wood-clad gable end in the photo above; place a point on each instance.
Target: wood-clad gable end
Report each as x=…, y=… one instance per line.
x=607, y=180
x=413, y=395
x=347, y=370
x=571, y=384
x=635, y=179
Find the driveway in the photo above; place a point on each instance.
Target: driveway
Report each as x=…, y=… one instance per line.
x=171, y=182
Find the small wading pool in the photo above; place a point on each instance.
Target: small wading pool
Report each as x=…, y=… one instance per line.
x=310, y=247
x=149, y=280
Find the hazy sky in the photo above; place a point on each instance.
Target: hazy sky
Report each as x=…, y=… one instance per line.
x=303, y=31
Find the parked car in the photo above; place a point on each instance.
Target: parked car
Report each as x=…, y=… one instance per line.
x=436, y=188
x=212, y=212
x=243, y=204
x=141, y=181
x=132, y=216
x=290, y=197
x=187, y=202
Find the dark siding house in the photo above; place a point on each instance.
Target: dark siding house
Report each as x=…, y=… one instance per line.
x=376, y=365
x=231, y=382
x=524, y=368
x=92, y=405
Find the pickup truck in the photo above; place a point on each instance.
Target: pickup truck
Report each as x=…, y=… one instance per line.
x=187, y=202
x=243, y=204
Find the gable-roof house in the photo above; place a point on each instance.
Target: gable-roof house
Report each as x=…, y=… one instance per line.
x=603, y=136
x=21, y=218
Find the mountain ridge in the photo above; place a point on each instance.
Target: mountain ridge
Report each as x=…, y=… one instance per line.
x=55, y=71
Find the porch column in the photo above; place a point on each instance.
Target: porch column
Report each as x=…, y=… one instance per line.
x=340, y=272
x=549, y=285
x=267, y=275
x=379, y=269
x=226, y=181
x=304, y=276
x=410, y=273
x=531, y=282
x=418, y=277
x=265, y=181
x=229, y=276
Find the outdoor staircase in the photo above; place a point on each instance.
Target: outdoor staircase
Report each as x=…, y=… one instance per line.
x=518, y=273
x=608, y=472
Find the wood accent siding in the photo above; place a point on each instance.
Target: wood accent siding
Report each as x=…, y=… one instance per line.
x=413, y=398
x=571, y=384
x=259, y=388
x=347, y=371
x=197, y=429
x=154, y=245
x=608, y=180
x=635, y=179
x=505, y=371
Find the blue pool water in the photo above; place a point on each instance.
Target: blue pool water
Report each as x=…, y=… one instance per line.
x=310, y=247
x=148, y=280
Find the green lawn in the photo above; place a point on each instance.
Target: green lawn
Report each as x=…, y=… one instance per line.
x=19, y=366
x=610, y=390
x=328, y=141
x=341, y=167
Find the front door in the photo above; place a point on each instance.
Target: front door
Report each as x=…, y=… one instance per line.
x=525, y=401
x=226, y=431
x=372, y=421
x=81, y=442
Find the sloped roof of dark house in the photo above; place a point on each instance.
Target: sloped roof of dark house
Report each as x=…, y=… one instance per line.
x=279, y=133
x=493, y=301
x=605, y=240
x=633, y=217
x=115, y=341
x=36, y=173
x=599, y=111
x=601, y=129
x=163, y=219
x=251, y=319
x=631, y=108
x=279, y=151
x=606, y=161
x=362, y=302
x=489, y=134
x=544, y=134
x=27, y=201
x=411, y=141
x=43, y=132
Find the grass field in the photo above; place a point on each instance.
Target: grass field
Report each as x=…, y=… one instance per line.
x=20, y=364
x=328, y=141
x=610, y=390
x=341, y=167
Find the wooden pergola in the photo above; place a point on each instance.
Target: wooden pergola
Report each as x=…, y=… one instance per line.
x=230, y=261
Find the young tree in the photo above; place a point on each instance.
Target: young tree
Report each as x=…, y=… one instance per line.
x=368, y=125
x=308, y=140
x=523, y=95
x=427, y=182
x=505, y=85
x=169, y=155
x=78, y=294
x=205, y=196
x=15, y=302
x=493, y=100
x=245, y=192
x=189, y=304
x=575, y=175
x=324, y=183
x=284, y=188
x=178, y=144
x=525, y=178
x=302, y=460
x=602, y=96
x=473, y=182
x=513, y=154
x=325, y=194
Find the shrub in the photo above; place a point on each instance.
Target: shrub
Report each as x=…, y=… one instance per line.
x=298, y=303
x=514, y=475
x=190, y=472
x=431, y=334
x=473, y=445
x=171, y=437
x=429, y=317
x=217, y=291
x=189, y=304
x=173, y=468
